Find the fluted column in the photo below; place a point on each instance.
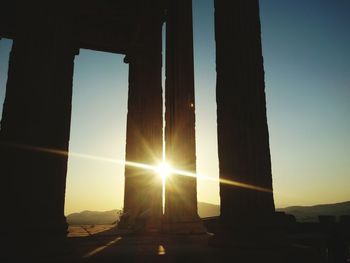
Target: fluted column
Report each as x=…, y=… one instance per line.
x=180, y=192
x=144, y=139
x=243, y=140
x=35, y=125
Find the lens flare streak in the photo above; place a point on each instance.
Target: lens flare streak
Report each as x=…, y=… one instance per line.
x=162, y=168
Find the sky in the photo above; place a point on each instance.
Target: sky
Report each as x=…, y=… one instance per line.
x=307, y=78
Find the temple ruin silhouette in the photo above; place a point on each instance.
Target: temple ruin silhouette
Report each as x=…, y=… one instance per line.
x=35, y=125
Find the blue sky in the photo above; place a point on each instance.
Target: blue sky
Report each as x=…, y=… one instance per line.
x=307, y=75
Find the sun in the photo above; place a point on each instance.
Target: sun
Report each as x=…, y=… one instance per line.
x=164, y=170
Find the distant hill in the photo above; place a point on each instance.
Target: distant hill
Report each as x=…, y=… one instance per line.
x=311, y=213
x=302, y=213
x=109, y=217
x=93, y=217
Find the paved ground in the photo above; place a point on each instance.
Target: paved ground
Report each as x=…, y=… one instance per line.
x=106, y=244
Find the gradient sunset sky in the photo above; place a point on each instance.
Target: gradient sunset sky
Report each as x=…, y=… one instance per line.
x=306, y=48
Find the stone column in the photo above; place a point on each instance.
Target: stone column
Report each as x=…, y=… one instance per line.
x=243, y=140
x=144, y=140
x=180, y=192
x=35, y=126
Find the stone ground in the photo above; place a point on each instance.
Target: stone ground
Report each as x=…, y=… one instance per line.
x=105, y=244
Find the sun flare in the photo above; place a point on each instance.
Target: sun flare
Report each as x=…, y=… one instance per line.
x=164, y=170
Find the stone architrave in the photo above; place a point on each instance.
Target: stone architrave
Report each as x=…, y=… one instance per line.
x=180, y=192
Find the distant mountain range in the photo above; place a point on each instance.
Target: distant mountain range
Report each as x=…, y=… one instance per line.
x=311, y=213
x=302, y=213
x=93, y=217
x=109, y=217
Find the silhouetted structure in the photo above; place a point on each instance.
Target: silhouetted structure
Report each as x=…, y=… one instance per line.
x=180, y=192
x=144, y=140
x=36, y=117
x=243, y=141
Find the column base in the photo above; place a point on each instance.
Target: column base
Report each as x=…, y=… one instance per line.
x=35, y=247
x=249, y=238
x=269, y=233
x=139, y=225
x=185, y=228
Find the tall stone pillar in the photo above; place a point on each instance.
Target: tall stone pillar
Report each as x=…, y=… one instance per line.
x=180, y=191
x=35, y=126
x=243, y=140
x=144, y=139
